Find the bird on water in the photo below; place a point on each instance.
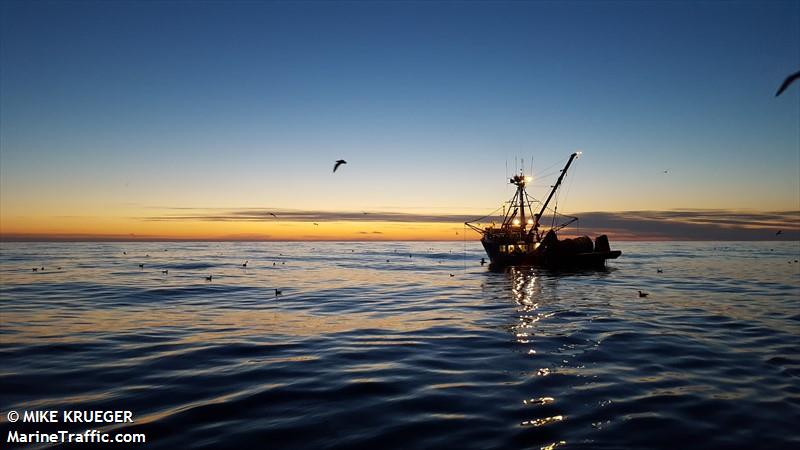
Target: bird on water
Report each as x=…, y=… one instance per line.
x=208, y=278
x=278, y=292
x=643, y=294
x=245, y=264
x=339, y=162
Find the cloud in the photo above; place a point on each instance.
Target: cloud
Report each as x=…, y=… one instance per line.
x=695, y=224
x=265, y=215
x=681, y=224
x=684, y=224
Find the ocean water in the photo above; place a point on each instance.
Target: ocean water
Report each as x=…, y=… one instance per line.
x=405, y=345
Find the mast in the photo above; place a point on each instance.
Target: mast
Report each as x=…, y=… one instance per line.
x=555, y=188
x=521, y=194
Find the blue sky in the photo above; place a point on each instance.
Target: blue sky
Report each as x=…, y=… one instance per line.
x=116, y=107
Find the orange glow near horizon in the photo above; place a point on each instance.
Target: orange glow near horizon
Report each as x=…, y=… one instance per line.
x=116, y=228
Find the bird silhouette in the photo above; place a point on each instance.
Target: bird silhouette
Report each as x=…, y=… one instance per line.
x=659, y=270
x=789, y=80
x=273, y=215
x=316, y=224
x=208, y=278
x=338, y=163
x=483, y=261
x=643, y=294
x=141, y=266
x=452, y=275
x=666, y=171
x=35, y=269
x=278, y=292
x=245, y=264
x=165, y=271
x=779, y=232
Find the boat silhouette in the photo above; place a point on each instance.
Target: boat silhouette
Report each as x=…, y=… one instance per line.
x=521, y=241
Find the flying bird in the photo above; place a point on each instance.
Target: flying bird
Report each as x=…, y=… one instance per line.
x=789, y=80
x=338, y=163
x=316, y=224
x=273, y=215
x=666, y=171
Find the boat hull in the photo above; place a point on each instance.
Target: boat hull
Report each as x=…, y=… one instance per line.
x=544, y=256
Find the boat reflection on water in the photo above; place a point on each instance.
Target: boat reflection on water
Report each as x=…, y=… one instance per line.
x=540, y=410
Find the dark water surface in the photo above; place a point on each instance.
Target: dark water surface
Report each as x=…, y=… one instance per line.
x=368, y=347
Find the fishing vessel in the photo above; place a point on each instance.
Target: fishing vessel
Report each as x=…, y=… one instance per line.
x=521, y=240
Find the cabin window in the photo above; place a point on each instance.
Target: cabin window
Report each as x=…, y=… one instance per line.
x=502, y=249
x=510, y=248
x=523, y=247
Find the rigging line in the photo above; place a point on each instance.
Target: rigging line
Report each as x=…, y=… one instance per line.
x=488, y=215
x=557, y=163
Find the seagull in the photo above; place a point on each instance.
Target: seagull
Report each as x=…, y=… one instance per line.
x=278, y=292
x=659, y=270
x=141, y=266
x=338, y=163
x=208, y=278
x=165, y=271
x=452, y=275
x=245, y=264
x=789, y=80
x=643, y=294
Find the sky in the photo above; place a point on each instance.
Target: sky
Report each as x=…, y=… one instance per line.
x=195, y=120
